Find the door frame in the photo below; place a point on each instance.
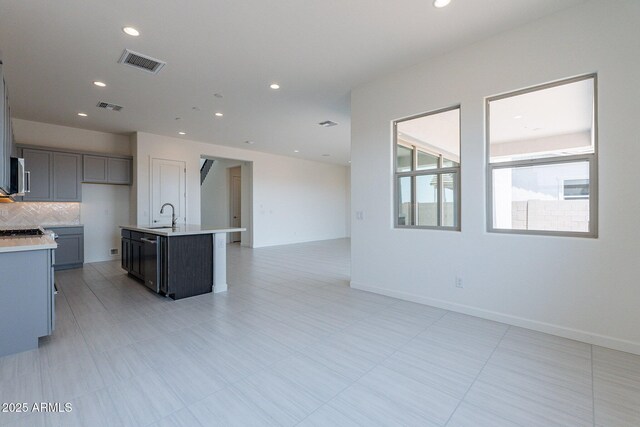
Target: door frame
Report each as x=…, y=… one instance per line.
x=186, y=187
x=230, y=175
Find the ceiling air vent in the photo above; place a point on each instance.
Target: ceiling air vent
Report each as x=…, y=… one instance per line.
x=107, y=106
x=327, y=124
x=141, y=62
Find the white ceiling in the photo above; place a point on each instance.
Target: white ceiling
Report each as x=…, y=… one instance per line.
x=316, y=50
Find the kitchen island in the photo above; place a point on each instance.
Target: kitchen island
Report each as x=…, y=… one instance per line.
x=178, y=262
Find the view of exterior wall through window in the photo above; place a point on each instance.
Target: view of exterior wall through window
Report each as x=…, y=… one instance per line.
x=427, y=170
x=542, y=156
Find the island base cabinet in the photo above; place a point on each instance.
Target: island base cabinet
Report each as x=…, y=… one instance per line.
x=179, y=267
x=190, y=265
x=27, y=306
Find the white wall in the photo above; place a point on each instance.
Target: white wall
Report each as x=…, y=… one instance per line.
x=293, y=200
x=103, y=207
x=55, y=136
x=581, y=288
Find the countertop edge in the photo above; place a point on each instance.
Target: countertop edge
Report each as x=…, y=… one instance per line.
x=47, y=243
x=166, y=233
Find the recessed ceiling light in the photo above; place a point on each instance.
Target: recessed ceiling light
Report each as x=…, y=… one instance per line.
x=296, y=151
x=249, y=142
x=518, y=117
x=441, y=3
x=349, y=161
x=100, y=84
x=182, y=133
x=82, y=114
x=274, y=86
x=219, y=114
x=325, y=155
x=131, y=31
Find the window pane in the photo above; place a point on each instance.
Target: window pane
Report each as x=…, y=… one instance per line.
x=449, y=199
x=550, y=122
x=535, y=197
x=427, y=198
x=427, y=161
x=437, y=134
x=404, y=200
x=403, y=160
x=446, y=163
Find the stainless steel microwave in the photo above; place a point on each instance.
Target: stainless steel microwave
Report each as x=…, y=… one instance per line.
x=19, y=179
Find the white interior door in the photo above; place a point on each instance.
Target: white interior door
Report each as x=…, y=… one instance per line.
x=236, y=202
x=168, y=185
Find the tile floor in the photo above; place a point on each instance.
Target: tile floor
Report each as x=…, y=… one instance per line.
x=292, y=344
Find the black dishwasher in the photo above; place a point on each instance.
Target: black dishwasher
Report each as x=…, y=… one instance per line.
x=151, y=261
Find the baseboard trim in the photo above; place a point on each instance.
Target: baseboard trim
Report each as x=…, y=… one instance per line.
x=561, y=331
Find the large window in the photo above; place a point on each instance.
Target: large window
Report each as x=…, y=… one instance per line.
x=427, y=170
x=542, y=159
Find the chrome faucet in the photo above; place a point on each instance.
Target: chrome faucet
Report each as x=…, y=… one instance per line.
x=173, y=214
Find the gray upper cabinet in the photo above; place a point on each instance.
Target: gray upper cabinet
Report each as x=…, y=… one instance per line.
x=66, y=177
x=106, y=170
x=40, y=164
x=6, y=135
x=55, y=177
x=4, y=156
x=119, y=171
x=94, y=169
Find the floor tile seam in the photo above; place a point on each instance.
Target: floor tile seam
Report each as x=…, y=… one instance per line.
x=544, y=413
x=492, y=413
x=519, y=393
x=381, y=363
x=324, y=402
x=564, y=388
x=477, y=376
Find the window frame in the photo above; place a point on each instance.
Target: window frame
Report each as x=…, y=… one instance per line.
x=414, y=173
x=590, y=158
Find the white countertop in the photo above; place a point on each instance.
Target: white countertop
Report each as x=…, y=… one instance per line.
x=17, y=244
x=181, y=229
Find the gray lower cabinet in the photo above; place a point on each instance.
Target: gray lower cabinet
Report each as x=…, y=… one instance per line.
x=27, y=306
x=70, y=251
x=106, y=170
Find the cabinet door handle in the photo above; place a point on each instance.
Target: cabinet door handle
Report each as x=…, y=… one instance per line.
x=153, y=242
x=27, y=182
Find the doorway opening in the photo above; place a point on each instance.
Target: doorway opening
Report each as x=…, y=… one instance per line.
x=225, y=196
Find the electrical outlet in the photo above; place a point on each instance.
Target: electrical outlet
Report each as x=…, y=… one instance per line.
x=459, y=282
x=4, y=213
x=359, y=215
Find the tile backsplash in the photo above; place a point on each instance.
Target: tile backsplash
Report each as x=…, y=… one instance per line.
x=39, y=213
